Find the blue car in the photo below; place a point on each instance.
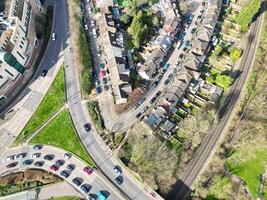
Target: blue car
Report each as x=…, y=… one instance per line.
x=187, y=43
x=98, y=90
x=166, y=66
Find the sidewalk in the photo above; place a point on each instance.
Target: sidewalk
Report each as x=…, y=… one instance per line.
x=26, y=108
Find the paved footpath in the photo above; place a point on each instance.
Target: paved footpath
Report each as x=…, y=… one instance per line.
x=46, y=192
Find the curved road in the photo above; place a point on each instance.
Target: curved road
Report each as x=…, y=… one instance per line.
x=130, y=187
x=94, y=181
x=208, y=147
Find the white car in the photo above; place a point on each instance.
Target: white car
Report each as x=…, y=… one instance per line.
x=53, y=36
x=89, y=10
x=117, y=170
x=86, y=27
x=67, y=155
x=7, y=159
x=36, y=155
x=92, y=23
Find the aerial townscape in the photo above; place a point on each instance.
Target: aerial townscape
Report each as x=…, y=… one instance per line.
x=133, y=100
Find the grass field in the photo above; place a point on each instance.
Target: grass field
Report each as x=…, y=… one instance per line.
x=220, y=188
x=249, y=163
x=61, y=133
x=52, y=102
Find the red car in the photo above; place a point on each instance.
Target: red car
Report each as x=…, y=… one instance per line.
x=10, y=165
x=54, y=167
x=88, y=170
x=103, y=73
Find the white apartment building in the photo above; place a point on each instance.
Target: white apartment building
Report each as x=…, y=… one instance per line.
x=14, y=24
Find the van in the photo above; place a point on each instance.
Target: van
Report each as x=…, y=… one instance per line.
x=94, y=33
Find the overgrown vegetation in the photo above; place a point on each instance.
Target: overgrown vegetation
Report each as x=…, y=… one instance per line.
x=61, y=133
x=86, y=59
x=51, y=103
x=140, y=21
x=26, y=180
x=94, y=111
x=193, y=129
x=150, y=158
x=221, y=188
x=244, y=18
x=246, y=155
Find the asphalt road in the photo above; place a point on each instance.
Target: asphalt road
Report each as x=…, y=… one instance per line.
x=130, y=187
x=208, y=147
x=94, y=181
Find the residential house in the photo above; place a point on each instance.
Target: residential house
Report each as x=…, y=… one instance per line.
x=155, y=117
x=115, y=58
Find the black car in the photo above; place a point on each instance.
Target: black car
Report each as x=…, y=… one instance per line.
x=27, y=162
x=152, y=100
x=64, y=174
x=119, y=180
x=39, y=163
x=60, y=162
x=49, y=157
x=85, y=188
x=158, y=93
x=76, y=181
x=138, y=115
x=166, y=82
x=87, y=127
x=44, y=72
x=193, y=30
x=71, y=167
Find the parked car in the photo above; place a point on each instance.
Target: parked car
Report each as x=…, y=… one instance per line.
x=88, y=170
x=193, y=30
x=49, y=157
x=36, y=155
x=158, y=93
x=21, y=155
x=77, y=181
x=60, y=162
x=103, y=72
x=119, y=180
x=152, y=100
x=92, y=23
x=65, y=174
x=43, y=73
x=86, y=27
x=38, y=163
x=117, y=170
x=67, y=155
x=138, y=115
x=167, y=81
x=71, y=167
x=27, y=162
x=54, y=167
x=9, y=158
x=98, y=90
x=37, y=147
x=187, y=43
x=14, y=164
x=102, y=66
x=85, y=188
x=166, y=66
x=87, y=127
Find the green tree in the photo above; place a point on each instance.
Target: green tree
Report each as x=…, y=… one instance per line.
x=223, y=81
x=217, y=50
x=235, y=54
x=244, y=18
x=40, y=21
x=125, y=18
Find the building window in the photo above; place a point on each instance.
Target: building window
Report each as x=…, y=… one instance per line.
x=20, y=55
x=21, y=46
x=9, y=72
x=1, y=77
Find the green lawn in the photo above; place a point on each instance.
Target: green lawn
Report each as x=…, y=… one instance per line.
x=65, y=198
x=221, y=188
x=61, y=133
x=52, y=102
x=249, y=163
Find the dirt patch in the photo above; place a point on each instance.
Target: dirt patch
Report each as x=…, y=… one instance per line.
x=29, y=176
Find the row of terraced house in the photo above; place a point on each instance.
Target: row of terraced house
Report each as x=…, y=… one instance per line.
x=187, y=83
